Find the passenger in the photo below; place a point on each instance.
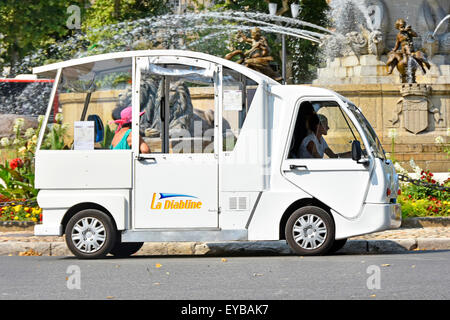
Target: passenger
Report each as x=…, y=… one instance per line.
x=302, y=127
x=122, y=138
x=310, y=146
x=314, y=145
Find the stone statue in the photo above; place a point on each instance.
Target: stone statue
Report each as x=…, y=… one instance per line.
x=258, y=56
x=183, y=115
x=403, y=56
x=376, y=43
x=357, y=42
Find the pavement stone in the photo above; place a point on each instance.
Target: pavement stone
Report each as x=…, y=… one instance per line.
x=16, y=248
x=390, y=241
x=389, y=246
x=433, y=244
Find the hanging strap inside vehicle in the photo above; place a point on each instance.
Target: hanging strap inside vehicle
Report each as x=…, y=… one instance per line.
x=91, y=89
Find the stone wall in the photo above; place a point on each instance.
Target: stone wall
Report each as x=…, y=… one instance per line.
x=380, y=103
x=369, y=69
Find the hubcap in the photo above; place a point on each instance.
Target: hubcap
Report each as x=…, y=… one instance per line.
x=88, y=235
x=310, y=232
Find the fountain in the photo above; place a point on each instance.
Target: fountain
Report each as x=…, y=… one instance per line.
x=188, y=31
x=412, y=98
x=355, y=51
x=258, y=56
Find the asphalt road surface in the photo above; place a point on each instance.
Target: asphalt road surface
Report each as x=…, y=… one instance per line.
x=415, y=275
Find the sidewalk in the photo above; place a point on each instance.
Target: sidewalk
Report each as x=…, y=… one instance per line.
x=391, y=241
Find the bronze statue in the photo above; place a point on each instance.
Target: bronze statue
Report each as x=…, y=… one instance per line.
x=403, y=51
x=258, y=56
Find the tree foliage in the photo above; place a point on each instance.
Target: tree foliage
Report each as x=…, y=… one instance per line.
x=106, y=12
x=27, y=25
x=35, y=32
x=303, y=54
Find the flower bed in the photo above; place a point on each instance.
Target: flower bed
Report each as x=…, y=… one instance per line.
x=424, y=207
x=424, y=201
x=20, y=213
x=18, y=210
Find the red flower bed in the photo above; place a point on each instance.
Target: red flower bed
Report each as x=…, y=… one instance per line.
x=16, y=163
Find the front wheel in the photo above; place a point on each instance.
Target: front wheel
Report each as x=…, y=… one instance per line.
x=310, y=231
x=90, y=234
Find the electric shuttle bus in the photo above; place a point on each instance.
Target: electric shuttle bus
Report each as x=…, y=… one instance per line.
x=223, y=159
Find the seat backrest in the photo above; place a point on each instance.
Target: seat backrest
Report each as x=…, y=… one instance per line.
x=98, y=127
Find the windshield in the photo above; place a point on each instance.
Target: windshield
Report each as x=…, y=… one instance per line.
x=372, y=137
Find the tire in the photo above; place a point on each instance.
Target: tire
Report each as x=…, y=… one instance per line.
x=125, y=249
x=90, y=234
x=337, y=245
x=310, y=231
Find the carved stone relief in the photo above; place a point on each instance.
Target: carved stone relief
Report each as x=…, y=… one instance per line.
x=415, y=105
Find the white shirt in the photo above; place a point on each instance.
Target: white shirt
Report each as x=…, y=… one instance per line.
x=321, y=146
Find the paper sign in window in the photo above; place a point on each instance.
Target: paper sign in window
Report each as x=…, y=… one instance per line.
x=232, y=100
x=84, y=134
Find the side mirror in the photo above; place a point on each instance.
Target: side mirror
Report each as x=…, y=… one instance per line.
x=356, y=150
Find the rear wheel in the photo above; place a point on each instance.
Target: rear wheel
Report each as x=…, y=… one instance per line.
x=310, y=231
x=90, y=234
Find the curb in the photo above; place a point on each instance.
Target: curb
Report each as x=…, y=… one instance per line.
x=426, y=222
x=6, y=226
x=13, y=248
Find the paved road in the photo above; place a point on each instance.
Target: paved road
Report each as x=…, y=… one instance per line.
x=417, y=275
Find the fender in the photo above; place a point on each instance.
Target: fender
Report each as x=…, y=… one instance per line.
x=117, y=202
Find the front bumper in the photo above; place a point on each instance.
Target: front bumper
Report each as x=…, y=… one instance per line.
x=374, y=218
x=384, y=216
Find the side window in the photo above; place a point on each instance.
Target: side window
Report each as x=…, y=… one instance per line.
x=322, y=130
x=192, y=105
x=179, y=103
x=337, y=130
x=238, y=93
x=152, y=91
x=87, y=98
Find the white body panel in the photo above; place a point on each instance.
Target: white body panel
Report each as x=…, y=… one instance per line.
x=333, y=181
x=245, y=193
x=247, y=158
x=171, y=180
x=83, y=169
x=237, y=209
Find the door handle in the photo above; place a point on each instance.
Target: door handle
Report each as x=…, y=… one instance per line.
x=140, y=159
x=295, y=167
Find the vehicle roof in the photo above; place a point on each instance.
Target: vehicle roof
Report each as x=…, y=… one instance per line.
x=50, y=69
x=307, y=90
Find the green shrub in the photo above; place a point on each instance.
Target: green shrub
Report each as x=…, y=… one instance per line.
x=17, y=174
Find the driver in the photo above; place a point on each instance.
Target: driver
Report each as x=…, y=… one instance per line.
x=314, y=145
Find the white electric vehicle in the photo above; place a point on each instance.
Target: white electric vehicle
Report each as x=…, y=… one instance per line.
x=223, y=164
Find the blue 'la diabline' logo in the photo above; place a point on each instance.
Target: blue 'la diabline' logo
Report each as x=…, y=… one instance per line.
x=172, y=195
